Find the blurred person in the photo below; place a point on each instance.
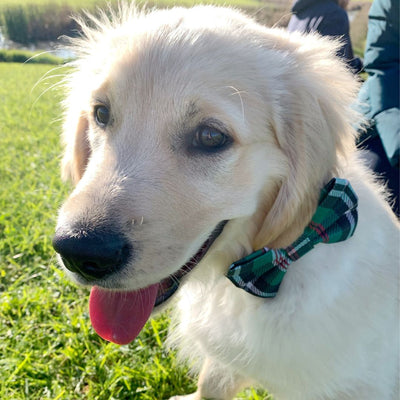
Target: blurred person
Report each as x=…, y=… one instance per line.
x=328, y=18
x=379, y=96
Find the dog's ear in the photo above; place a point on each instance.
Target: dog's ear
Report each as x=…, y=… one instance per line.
x=313, y=123
x=77, y=149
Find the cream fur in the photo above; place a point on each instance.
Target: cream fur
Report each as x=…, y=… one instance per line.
x=285, y=100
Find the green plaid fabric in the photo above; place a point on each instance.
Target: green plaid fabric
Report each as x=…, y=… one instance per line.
x=335, y=220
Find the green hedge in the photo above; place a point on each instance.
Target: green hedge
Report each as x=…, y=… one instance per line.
x=32, y=23
x=22, y=56
x=36, y=20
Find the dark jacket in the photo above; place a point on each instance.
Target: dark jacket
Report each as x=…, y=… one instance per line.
x=379, y=96
x=328, y=19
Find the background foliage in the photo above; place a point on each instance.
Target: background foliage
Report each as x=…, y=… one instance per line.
x=24, y=56
x=34, y=21
x=42, y=20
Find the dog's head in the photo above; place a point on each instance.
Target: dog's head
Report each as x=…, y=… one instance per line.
x=179, y=121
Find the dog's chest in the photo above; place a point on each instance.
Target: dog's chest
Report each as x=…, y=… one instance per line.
x=271, y=340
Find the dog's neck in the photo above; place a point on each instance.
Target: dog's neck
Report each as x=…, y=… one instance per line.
x=279, y=230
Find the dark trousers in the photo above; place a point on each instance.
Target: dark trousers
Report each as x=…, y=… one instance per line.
x=377, y=160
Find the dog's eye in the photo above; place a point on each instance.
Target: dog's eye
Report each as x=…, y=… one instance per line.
x=210, y=139
x=101, y=115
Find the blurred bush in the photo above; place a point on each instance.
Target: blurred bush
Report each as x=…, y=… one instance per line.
x=23, y=56
x=33, y=23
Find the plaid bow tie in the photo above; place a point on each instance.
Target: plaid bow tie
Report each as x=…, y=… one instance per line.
x=335, y=220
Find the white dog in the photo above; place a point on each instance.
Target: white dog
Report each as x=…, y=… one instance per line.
x=197, y=134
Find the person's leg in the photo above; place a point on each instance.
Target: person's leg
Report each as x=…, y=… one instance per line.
x=377, y=160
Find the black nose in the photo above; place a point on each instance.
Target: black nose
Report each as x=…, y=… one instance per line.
x=92, y=255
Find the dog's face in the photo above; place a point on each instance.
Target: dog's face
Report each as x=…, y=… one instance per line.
x=176, y=123
x=174, y=141
x=168, y=163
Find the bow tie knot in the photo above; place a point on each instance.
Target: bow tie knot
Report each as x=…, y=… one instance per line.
x=335, y=220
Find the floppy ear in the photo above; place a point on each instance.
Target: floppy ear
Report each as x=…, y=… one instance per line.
x=312, y=122
x=77, y=149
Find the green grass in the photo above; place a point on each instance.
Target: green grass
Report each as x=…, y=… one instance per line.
x=48, y=349
x=359, y=27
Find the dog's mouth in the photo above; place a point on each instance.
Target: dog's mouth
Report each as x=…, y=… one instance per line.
x=119, y=316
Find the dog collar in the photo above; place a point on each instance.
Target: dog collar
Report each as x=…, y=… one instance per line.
x=170, y=285
x=335, y=220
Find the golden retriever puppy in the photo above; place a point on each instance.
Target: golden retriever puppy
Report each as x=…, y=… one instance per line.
x=196, y=137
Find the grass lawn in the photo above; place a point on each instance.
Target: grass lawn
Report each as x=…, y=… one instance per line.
x=48, y=349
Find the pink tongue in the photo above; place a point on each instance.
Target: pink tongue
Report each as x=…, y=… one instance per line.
x=120, y=316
